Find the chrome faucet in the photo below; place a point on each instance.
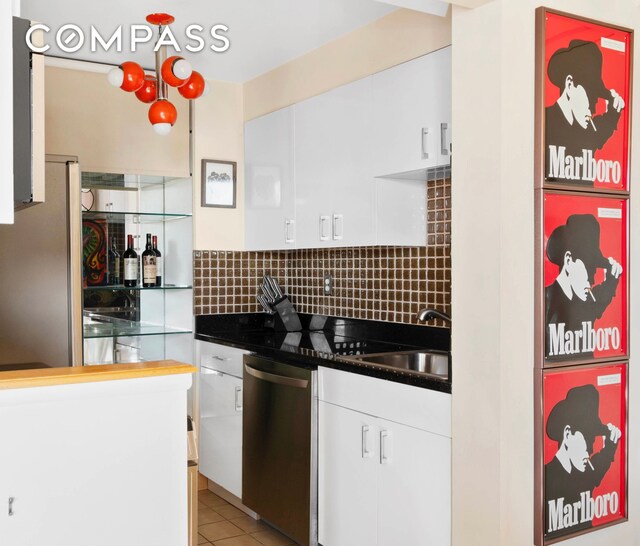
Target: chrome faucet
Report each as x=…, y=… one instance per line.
x=428, y=314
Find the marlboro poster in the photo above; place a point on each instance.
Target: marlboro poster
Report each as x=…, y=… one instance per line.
x=584, y=448
x=586, y=101
x=585, y=277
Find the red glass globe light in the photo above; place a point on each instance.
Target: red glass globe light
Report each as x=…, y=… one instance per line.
x=194, y=87
x=162, y=115
x=160, y=19
x=176, y=71
x=133, y=76
x=147, y=93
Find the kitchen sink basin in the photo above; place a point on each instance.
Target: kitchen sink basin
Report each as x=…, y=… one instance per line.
x=426, y=362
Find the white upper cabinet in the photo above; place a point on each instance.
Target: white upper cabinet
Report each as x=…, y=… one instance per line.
x=270, y=192
x=412, y=115
x=320, y=173
x=334, y=191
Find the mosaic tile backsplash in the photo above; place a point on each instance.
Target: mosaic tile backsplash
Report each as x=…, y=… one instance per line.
x=376, y=282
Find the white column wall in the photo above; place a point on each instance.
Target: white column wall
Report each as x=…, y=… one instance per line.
x=493, y=275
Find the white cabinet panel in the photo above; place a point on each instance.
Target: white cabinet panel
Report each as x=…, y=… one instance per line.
x=390, y=475
x=414, y=496
x=334, y=190
x=411, y=101
x=221, y=429
x=348, y=476
x=220, y=395
x=401, y=212
x=311, y=167
x=269, y=182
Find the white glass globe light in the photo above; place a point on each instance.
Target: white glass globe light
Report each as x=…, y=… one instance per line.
x=162, y=129
x=182, y=69
x=116, y=76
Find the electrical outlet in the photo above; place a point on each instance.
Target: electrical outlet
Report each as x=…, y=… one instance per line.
x=327, y=284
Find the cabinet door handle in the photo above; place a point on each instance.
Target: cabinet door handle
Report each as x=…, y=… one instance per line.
x=385, y=447
x=424, y=135
x=366, y=452
x=325, y=235
x=220, y=358
x=338, y=219
x=238, y=398
x=444, y=149
x=208, y=371
x=289, y=233
x=11, y=499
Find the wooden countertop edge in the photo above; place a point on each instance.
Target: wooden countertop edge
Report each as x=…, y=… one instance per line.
x=90, y=374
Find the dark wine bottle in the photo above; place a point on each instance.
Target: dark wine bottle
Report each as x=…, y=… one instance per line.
x=130, y=257
x=158, y=261
x=149, y=267
x=114, y=263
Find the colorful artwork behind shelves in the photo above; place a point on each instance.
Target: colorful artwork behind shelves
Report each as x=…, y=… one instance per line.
x=94, y=253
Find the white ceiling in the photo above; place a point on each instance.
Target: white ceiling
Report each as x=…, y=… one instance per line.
x=264, y=34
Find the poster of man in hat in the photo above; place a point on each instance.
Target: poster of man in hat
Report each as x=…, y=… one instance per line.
x=584, y=448
x=585, y=244
x=586, y=102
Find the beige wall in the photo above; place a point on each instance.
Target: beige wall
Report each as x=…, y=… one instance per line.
x=398, y=37
x=218, y=133
x=493, y=275
x=108, y=129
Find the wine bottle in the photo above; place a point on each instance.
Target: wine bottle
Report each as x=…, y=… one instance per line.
x=158, y=261
x=149, y=267
x=130, y=257
x=114, y=263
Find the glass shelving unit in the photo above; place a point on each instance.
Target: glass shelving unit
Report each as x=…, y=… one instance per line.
x=135, y=324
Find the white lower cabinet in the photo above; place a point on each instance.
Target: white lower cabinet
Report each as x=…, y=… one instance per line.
x=382, y=482
x=347, y=478
x=220, y=453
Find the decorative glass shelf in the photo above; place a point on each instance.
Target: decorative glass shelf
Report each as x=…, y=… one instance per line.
x=125, y=182
x=137, y=217
x=137, y=288
x=122, y=328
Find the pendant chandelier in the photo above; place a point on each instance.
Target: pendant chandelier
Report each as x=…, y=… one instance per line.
x=174, y=71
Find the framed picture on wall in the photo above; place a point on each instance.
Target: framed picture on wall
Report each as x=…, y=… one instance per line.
x=585, y=288
x=581, y=450
x=218, y=183
x=583, y=103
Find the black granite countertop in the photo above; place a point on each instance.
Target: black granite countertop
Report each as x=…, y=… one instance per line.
x=329, y=341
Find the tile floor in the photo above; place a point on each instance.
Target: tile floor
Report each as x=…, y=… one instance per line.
x=221, y=524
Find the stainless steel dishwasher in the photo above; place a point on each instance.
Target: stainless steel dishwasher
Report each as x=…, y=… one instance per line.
x=279, y=446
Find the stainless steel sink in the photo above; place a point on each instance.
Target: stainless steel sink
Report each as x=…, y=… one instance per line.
x=426, y=362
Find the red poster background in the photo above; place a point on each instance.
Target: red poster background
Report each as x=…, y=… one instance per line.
x=559, y=31
x=613, y=243
x=613, y=409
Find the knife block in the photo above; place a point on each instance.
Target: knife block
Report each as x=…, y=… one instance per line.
x=285, y=319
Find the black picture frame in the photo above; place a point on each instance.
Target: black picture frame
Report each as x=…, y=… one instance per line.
x=218, y=183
